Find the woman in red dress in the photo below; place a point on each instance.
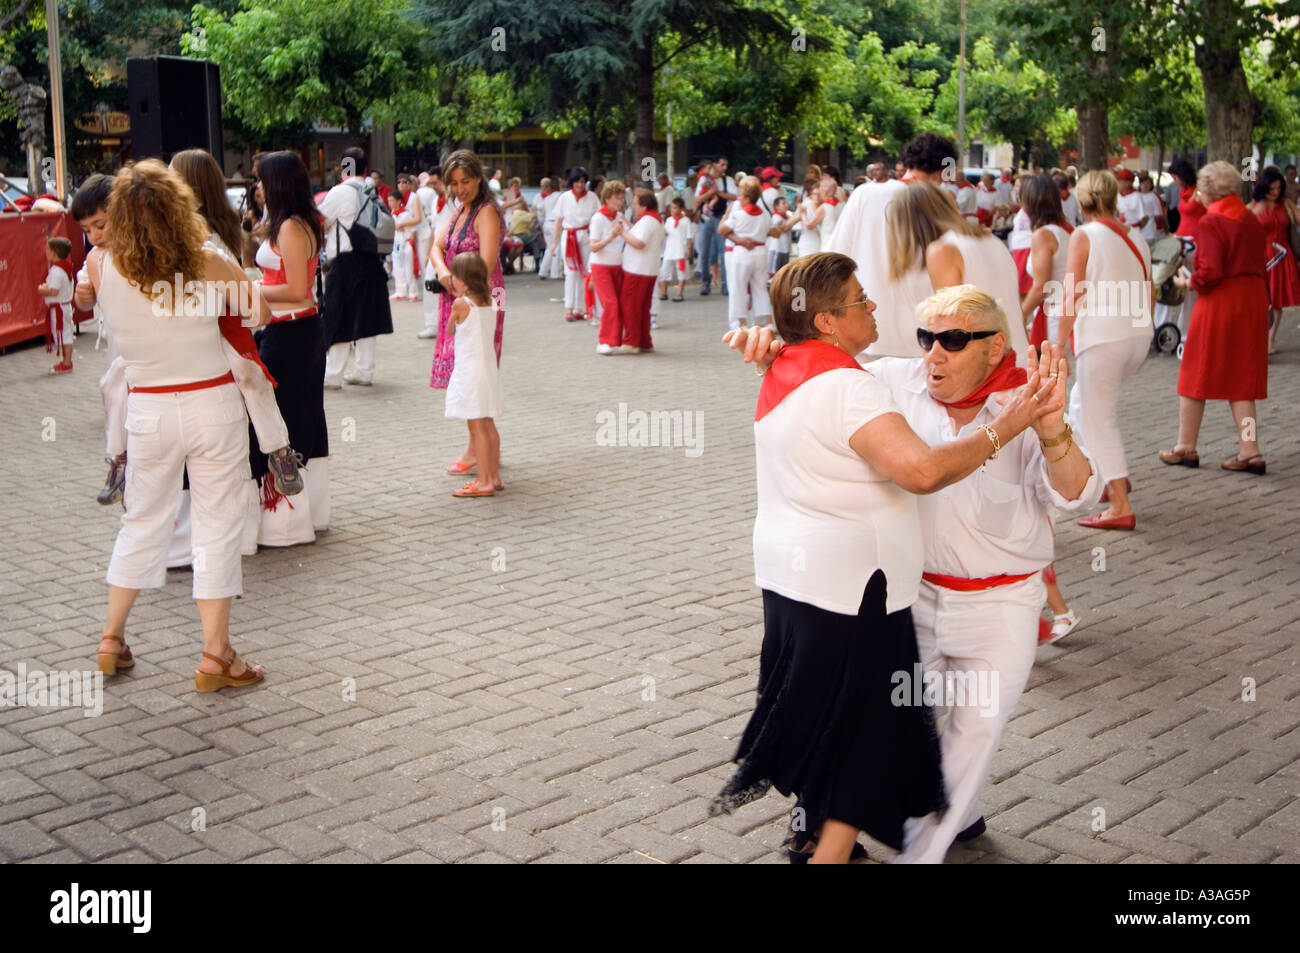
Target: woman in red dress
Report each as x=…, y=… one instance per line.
x=1226, y=356
x=1278, y=214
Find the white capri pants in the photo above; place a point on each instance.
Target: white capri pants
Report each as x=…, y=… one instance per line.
x=1100, y=374
x=254, y=388
x=747, y=284
x=429, y=299
x=994, y=632
x=575, y=298
x=552, y=263
x=203, y=431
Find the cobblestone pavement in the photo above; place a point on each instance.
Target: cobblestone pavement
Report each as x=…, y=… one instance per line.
x=560, y=673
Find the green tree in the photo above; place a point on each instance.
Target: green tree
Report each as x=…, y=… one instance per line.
x=290, y=62
x=597, y=53
x=1164, y=105
x=1009, y=98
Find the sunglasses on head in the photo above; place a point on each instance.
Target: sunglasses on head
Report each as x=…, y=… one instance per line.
x=954, y=339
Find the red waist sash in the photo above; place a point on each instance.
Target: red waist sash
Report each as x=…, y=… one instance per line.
x=961, y=584
x=226, y=378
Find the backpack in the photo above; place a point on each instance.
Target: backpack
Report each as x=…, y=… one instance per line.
x=373, y=229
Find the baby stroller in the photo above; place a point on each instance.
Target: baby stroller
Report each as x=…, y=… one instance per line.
x=1173, y=309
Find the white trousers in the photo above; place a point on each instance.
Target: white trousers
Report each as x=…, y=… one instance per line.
x=403, y=262
x=552, y=263
x=254, y=388
x=204, y=432
x=994, y=632
x=575, y=294
x=336, y=359
x=1100, y=374
x=747, y=283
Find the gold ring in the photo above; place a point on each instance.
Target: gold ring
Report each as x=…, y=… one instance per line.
x=1035, y=396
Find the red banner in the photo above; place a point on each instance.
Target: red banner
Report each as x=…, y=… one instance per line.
x=23, y=266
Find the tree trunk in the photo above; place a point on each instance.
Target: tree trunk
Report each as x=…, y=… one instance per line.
x=645, y=113
x=1160, y=162
x=1093, y=133
x=355, y=136
x=1230, y=106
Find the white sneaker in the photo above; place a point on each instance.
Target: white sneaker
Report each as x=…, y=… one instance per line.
x=333, y=383
x=427, y=333
x=604, y=349
x=359, y=381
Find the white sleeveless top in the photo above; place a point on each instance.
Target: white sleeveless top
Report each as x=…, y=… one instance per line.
x=1116, y=304
x=160, y=349
x=990, y=268
x=1052, y=303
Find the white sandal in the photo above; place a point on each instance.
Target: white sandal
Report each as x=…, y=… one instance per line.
x=1062, y=625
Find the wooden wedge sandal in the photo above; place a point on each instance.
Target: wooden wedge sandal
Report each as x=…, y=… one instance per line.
x=211, y=681
x=110, y=662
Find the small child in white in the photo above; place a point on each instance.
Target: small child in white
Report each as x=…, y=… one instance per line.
x=474, y=391
x=57, y=292
x=778, y=245
x=678, y=232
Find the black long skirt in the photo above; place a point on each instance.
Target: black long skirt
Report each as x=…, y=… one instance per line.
x=824, y=727
x=294, y=353
x=355, y=302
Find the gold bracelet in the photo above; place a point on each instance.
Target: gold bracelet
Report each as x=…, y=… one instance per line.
x=1058, y=441
x=1069, y=445
x=993, y=437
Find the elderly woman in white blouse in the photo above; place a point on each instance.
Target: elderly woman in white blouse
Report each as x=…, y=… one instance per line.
x=838, y=555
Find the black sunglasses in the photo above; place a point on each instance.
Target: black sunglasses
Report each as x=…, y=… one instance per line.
x=954, y=339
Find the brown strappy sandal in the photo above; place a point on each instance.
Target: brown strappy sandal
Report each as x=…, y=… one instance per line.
x=110, y=662
x=211, y=682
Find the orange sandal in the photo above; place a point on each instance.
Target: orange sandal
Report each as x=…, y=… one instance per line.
x=110, y=662
x=471, y=489
x=211, y=681
x=457, y=468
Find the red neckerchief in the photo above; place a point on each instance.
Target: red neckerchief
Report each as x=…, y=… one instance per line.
x=546, y=192
x=797, y=364
x=608, y=212
x=442, y=202
x=1065, y=195
x=964, y=184
x=1129, y=242
x=990, y=188
x=1005, y=179
x=1230, y=206
x=67, y=269
x=1004, y=377
x=831, y=201
x=750, y=209
x=651, y=212
x=1129, y=191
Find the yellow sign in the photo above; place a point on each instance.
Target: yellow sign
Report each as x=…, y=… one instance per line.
x=109, y=124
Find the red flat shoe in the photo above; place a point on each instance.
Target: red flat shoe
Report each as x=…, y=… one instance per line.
x=471, y=489
x=1109, y=522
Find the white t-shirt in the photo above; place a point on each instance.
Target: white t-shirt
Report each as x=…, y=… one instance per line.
x=428, y=199
x=1022, y=231
x=576, y=212
x=645, y=261
x=1129, y=207
x=494, y=186
x=997, y=520
x=1151, y=208
x=58, y=279
x=1116, y=303
x=611, y=254
x=1006, y=191
x=830, y=218
x=664, y=197
x=677, y=232
x=986, y=198
x=778, y=243
x=745, y=225
x=549, y=204
x=826, y=519
x=968, y=200
x=340, y=207
x=767, y=200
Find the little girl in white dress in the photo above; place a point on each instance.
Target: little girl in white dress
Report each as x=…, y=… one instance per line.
x=474, y=391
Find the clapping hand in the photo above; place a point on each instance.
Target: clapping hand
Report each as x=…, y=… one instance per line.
x=1052, y=369
x=1042, y=396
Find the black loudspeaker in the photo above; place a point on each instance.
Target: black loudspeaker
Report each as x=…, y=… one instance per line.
x=175, y=104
